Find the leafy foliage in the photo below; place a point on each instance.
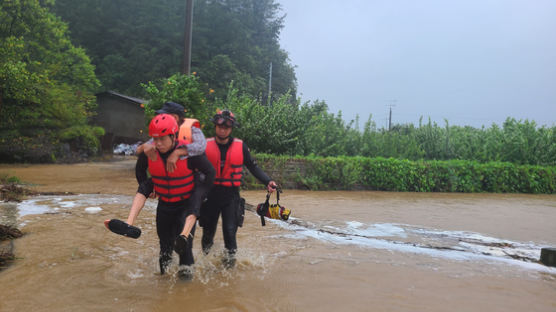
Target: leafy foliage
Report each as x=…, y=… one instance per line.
x=389, y=174
x=286, y=127
x=6, y=178
x=137, y=41
x=266, y=130
x=182, y=89
x=46, y=83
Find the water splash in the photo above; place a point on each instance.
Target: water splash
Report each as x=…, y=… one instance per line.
x=210, y=270
x=31, y=206
x=91, y=203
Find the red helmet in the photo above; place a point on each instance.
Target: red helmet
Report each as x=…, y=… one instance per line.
x=162, y=125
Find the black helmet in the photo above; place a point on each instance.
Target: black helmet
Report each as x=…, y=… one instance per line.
x=172, y=108
x=225, y=117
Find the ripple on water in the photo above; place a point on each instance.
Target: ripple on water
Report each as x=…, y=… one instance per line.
x=453, y=245
x=31, y=206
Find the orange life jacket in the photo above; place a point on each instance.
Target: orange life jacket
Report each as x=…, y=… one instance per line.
x=171, y=186
x=232, y=172
x=185, y=129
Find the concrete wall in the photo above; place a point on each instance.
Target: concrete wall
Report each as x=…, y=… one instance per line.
x=287, y=174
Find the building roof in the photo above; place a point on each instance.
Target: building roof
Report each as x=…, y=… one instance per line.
x=129, y=98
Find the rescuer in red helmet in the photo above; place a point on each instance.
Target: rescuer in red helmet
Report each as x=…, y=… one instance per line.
x=177, y=192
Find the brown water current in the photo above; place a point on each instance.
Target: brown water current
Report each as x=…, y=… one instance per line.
x=340, y=251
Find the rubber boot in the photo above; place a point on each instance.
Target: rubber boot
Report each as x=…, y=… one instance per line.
x=206, y=246
x=164, y=261
x=185, y=273
x=229, y=259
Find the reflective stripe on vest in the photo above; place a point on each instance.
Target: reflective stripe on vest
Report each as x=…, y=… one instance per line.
x=232, y=172
x=171, y=186
x=185, y=129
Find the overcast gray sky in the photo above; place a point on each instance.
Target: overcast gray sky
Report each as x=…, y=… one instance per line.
x=473, y=62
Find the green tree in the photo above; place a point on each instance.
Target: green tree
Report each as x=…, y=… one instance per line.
x=46, y=83
x=182, y=89
x=247, y=33
x=263, y=127
x=137, y=41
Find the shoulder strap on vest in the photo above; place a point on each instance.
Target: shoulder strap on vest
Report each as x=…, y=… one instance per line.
x=185, y=129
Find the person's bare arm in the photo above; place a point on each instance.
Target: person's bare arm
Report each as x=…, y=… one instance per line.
x=136, y=207
x=195, y=148
x=140, y=148
x=150, y=151
x=189, y=223
x=173, y=158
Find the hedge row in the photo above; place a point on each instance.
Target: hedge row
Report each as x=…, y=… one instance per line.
x=389, y=174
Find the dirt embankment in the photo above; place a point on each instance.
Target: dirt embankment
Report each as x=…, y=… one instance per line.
x=7, y=234
x=14, y=192
x=10, y=192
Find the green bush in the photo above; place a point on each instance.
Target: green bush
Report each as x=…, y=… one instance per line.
x=82, y=137
x=389, y=174
x=7, y=179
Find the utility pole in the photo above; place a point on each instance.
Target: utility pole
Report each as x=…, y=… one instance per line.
x=188, y=34
x=269, y=83
x=390, y=116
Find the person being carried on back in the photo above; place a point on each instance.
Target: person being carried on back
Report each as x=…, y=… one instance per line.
x=189, y=131
x=176, y=210
x=194, y=144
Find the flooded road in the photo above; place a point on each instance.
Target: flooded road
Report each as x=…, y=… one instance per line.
x=345, y=251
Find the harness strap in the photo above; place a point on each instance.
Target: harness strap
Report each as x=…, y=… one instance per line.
x=169, y=196
x=166, y=186
x=165, y=178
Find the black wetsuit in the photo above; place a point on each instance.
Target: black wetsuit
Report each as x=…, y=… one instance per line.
x=225, y=200
x=170, y=216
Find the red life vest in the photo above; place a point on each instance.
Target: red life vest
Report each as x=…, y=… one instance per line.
x=232, y=172
x=171, y=186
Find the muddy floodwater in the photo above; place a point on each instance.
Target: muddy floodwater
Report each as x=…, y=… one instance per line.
x=340, y=251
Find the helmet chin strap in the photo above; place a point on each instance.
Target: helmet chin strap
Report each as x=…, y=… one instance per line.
x=223, y=139
x=220, y=138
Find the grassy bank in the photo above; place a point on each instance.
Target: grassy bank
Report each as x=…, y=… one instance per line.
x=389, y=174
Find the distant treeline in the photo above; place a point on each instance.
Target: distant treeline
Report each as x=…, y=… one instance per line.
x=137, y=41
x=382, y=174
